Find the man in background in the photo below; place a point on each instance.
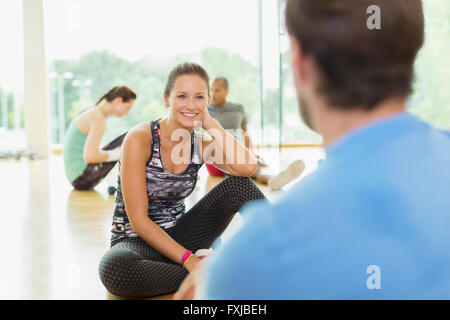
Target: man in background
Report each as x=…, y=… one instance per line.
x=232, y=116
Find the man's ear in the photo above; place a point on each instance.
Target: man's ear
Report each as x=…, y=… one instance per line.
x=298, y=63
x=166, y=100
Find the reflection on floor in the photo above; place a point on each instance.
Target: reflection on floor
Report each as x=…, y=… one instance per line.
x=54, y=236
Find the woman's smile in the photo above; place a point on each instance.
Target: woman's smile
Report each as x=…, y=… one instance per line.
x=189, y=115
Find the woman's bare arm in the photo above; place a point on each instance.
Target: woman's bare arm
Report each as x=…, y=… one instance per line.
x=91, y=151
x=225, y=151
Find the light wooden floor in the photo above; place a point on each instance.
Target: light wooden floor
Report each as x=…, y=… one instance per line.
x=53, y=237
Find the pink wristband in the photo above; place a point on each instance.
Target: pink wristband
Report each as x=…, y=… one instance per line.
x=186, y=255
x=190, y=256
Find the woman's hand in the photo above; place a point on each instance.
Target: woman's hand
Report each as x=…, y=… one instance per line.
x=192, y=263
x=192, y=286
x=207, y=120
x=230, y=155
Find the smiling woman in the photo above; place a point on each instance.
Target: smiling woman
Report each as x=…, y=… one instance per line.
x=153, y=238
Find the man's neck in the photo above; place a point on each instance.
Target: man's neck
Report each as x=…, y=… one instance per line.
x=220, y=104
x=333, y=123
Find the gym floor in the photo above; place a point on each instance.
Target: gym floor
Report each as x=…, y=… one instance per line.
x=54, y=236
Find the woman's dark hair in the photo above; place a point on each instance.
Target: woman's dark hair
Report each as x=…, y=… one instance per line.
x=358, y=65
x=119, y=92
x=182, y=69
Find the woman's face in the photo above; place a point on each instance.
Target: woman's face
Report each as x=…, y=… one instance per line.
x=188, y=99
x=122, y=108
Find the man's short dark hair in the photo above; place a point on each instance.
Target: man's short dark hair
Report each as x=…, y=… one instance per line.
x=359, y=66
x=225, y=81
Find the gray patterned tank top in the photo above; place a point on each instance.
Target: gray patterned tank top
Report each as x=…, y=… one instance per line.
x=166, y=191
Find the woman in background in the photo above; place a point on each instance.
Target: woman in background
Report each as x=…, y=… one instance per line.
x=85, y=163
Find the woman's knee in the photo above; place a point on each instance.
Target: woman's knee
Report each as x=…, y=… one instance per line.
x=115, y=269
x=238, y=185
x=233, y=180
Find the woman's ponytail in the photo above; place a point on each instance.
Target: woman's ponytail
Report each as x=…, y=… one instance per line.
x=118, y=92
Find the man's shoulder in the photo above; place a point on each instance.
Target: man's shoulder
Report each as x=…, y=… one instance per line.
x=234, y=106
x=230, y=106
x=305, y=197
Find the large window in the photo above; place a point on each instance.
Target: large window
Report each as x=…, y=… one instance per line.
x=431, y=97
x=12, y=134
x=293, y=130
x=281, y=123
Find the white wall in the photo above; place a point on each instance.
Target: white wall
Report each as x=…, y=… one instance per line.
x=36, y=110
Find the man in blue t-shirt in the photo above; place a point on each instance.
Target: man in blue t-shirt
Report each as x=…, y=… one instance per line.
x=373, y=221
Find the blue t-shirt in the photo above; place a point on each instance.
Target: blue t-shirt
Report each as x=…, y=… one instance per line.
x=373, y=222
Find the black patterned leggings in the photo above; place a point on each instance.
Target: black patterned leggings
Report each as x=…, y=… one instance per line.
x=95, y=172
x=132, y=268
